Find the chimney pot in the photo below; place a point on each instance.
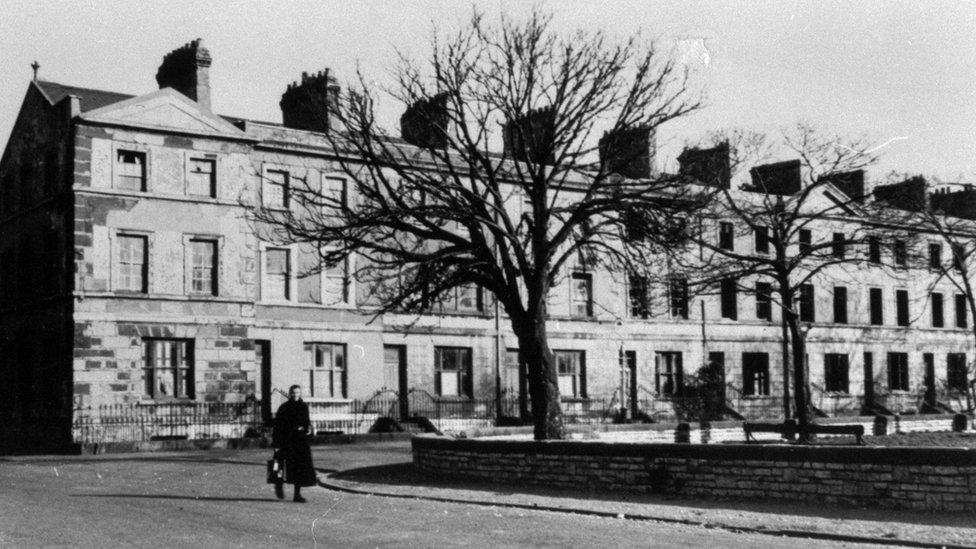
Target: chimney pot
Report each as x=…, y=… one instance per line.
x=529, y=138
x=310, y=105
x=187, y=70
x=629, y=152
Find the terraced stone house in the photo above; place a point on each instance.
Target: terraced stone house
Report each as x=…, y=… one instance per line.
x=131, y=280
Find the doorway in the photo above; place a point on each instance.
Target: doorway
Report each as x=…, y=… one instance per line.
x=395, y=373
x=930, y=397
x=630, y=370
x=262, y=352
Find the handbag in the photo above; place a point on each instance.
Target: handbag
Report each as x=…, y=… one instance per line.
x=276, y=469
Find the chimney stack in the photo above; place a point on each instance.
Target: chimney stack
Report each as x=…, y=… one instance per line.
x=529, y=138
x=310, y=104
x=187, y=70
x=629, y=152
x=780, y=178
x=707, y=166
x=909, y=195
x=425, y=123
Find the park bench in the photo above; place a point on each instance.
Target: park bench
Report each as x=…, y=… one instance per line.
x=789, y=429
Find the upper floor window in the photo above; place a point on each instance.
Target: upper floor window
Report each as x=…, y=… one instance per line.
x=678, y=296
x=961, y=307
x=465, y=298
x=808, y=311
x=959, y=257
x=935, y=256
x=762, y=239
x=726, y=236
x=729, y=299
x=203, y=266
x=900, y=253
x=877, y=306
x=168, y=368
x=840, y=304
x=806, y=239
x=937, y=315
x=336, y=283
x=133, y=264
x=334, y=189
x=874, y=249
x=325, y=366
x=130, y=170
x=452, y=371
x=838, y=245
x=764, y=301
x=276, y=189
x=639, y=305
x=901, y=307
x=277, y=274
x=581, y=294
x=201, y=177
x=571, y=368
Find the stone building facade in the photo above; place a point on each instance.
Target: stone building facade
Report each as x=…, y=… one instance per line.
x=129, y=274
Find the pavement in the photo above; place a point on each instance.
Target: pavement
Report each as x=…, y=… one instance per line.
x=372, y=498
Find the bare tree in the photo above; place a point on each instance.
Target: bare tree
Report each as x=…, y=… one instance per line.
x=776, y=214
x=945, y=222
x=497, y=182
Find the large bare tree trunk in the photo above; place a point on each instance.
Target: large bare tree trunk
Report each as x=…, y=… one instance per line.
x=801, y=380
x=543, y=377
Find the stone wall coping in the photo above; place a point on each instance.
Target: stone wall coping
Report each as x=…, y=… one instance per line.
x=931, y=456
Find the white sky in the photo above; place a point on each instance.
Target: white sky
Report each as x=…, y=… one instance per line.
x=890, y=69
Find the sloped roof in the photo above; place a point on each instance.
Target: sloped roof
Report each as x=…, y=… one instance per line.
x=90, y=99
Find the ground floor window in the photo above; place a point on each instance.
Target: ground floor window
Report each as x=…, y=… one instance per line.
x=836, y=377
x=325, y=366
x=169, y=368
x=668, y=373
x=571, y=367
x=956, y=372
x=755, y=374
x=452, y=371
x=512, y=373
x=897, y=371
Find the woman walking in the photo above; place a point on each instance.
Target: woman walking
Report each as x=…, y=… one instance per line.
x=292, y=428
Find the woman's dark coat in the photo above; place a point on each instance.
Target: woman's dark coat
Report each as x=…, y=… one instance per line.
x=291, y=430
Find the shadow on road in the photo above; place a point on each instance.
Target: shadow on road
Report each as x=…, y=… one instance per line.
x=160, y=496
x=404, y=475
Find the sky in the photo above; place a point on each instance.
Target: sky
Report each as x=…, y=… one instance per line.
x=903, y=73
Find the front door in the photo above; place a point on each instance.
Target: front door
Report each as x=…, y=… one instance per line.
x=630, y=366
x=395, y=374
x=930, y=396
x=262, y=351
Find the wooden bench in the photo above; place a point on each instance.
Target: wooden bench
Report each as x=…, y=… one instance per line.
x=789, y=430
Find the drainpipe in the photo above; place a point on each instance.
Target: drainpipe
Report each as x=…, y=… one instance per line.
x=498, y=364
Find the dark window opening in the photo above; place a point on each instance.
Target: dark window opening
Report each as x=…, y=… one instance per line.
x=764, y=301
x=807, y=305
x=874, y=249
x=762, y=240
x=957, y=376
x=678, y=296
x=805, y=242
x=877, y=306
x=669, y=375
x=840, y=305
x=900, y=253
x=937, y=319
x=836, y=371
x=901, y=304
x=961, y=307
x=898, y=371
x=729, y=299
x=639, y=302
x=755, y=374
x=935, y=256
x=838, y=245
x=726, y=236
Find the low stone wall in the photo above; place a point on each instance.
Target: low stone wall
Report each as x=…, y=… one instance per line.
x=914, y=478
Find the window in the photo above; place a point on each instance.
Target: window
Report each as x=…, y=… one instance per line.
x=637, y=292
x=325, y=364
x=169, y=368
x=959, y=257
x=901, y=305
x=133, y=262
x=762, y=239
x=836, y=369
x=764, y=301
x=203, y=266
x=726, y=236
x=669, y=375
x=755, y=374
x=275, y=191
x=805, y=242
x=571, y=367
x=900, y=253
x=937, y=320
x=877, y=306
x=935, y=256
x=961, y=308
x=581, y=294
x=334, y=189
x=840, y=304
x=277, y=274
x=678, y=296
x=957, y=372
x=729, y=305
x=465, y=298
x=635, y=225
x=874, y=250
x=130, y=170
x=452, y=371
x=897, y=371
x=837, y=245
x=512, y=376
x=201, y=177
x=335, y=283
x=808, y=311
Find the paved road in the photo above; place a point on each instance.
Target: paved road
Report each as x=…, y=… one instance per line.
x=218, y=499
